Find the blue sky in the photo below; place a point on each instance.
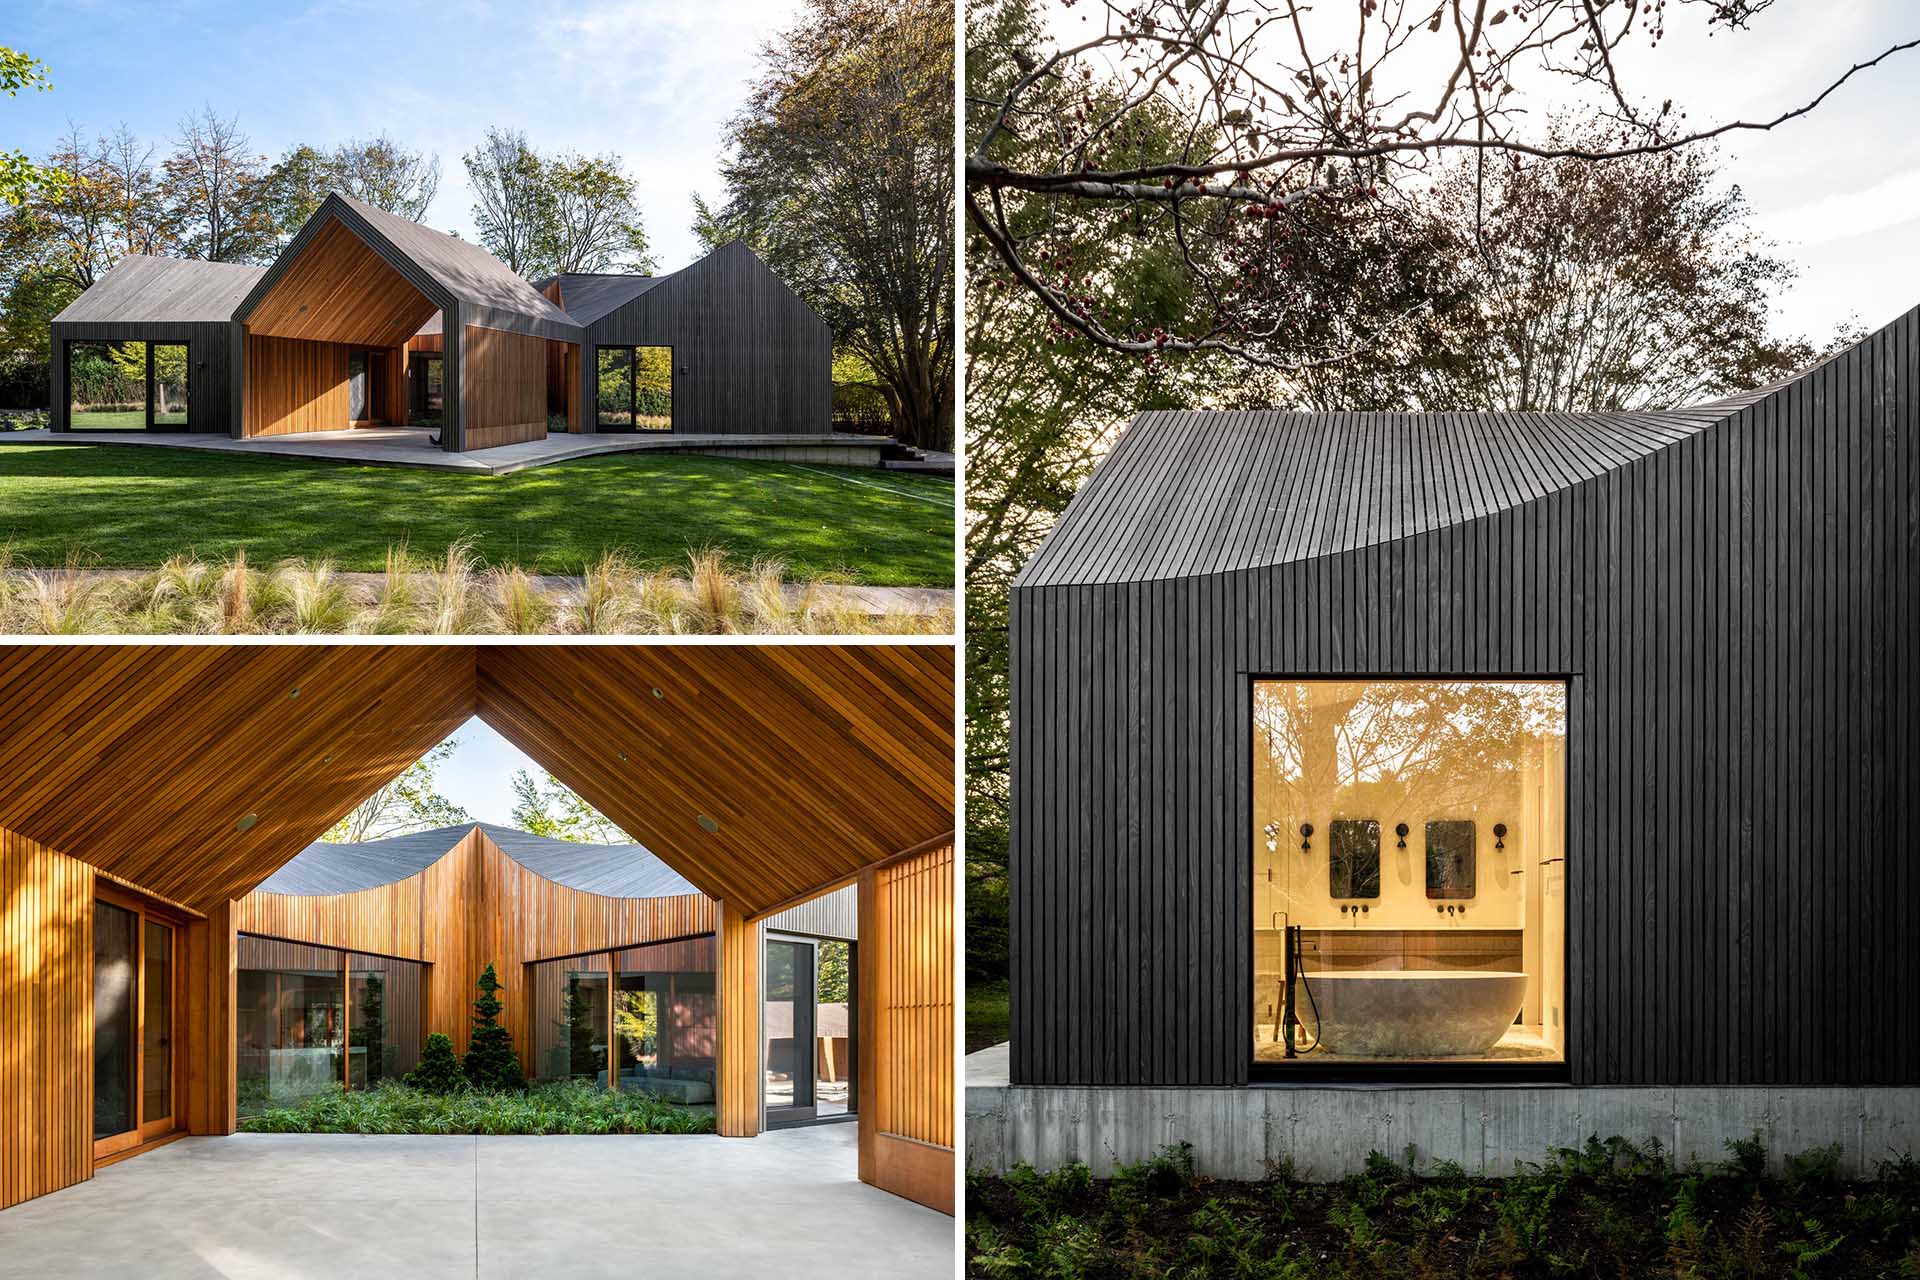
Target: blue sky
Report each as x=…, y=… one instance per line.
x=479, y=774
x=651, y=80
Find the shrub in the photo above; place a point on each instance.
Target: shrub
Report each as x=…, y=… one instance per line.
x=573, y=1106
x=439, y=1071
x=491, y=1062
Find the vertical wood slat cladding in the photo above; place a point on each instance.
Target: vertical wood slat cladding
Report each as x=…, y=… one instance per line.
x=737, y=1070
x=338, y=290
x=209, y=365
x=472, y=907
x=748, y=356
x=46, y=1019
x=504, y=388
x=1736, y=613
x=905, y=1076
x=210, y=957
x=294, y=387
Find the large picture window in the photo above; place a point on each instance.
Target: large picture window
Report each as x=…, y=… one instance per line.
x=651, y=1009
x=1409, y=871
x=310, y=1019
x=635, y=389
x=127, y=386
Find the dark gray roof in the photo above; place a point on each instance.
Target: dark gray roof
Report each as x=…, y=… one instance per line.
x=588, y=296
x=462, y=268
x=164, y=289
x=616, y=870
x=1183, y=494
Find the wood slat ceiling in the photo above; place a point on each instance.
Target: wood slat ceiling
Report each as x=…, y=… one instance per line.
x=142, y=760
x=813, y=761
x=339, y=290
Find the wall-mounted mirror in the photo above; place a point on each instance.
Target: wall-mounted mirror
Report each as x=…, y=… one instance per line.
x=1450, y=858
x=1353, y=858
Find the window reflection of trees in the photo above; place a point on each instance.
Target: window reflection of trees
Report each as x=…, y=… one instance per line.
x=1386, y=747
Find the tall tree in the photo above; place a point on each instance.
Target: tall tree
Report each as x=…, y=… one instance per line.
x=19, y=176
x=380, y=172
x=593, y=217
x=411, y=802
x=1289, y=106
x=841, y=177
x=216, y=191
x=550, y=808
x=140, y=222
x=377, y=171
x=1625, y=285
x=513, y=206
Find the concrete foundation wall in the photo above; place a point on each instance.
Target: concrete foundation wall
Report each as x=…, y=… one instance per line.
x=1327, y=1131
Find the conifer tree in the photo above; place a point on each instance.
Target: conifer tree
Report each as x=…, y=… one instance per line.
x=491, y=1062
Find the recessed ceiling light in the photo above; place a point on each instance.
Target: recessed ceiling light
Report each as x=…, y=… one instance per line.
x=327, y=759
x=246, y=822
x=294, y=692
x=707, y=822
x=658, y=694
x=623, y=755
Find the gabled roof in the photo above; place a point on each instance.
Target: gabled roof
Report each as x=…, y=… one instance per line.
x=1189, y=493
x=587, y=296
x=164, y=290
x=614, y=870
x=443, y=268
x=763, y=774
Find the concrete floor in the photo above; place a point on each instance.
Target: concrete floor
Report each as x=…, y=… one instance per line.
x=412, y=447
x=785, y=1204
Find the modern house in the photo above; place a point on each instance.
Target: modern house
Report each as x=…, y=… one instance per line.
x=176, y=950
x=368, y=319
x=1475, y=782
x=604, y=950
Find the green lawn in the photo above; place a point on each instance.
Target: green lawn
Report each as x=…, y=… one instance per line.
x=987, y=1014
x=125, y=507
x=109, y=419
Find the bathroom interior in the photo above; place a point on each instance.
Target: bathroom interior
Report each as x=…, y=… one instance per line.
x=1409, y=867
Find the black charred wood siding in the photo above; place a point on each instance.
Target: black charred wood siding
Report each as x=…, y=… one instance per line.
x=209, y=370
x=749, y=358
x=1737, y=612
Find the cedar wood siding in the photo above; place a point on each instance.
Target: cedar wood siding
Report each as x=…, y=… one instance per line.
x=1737, y=613
x=756, y=359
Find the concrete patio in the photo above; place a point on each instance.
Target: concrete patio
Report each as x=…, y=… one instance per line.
x=310, y=1205
x=413, y=447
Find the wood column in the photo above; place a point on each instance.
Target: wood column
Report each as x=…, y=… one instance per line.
x=737, y=1056
x=212, y=954
x=905, y=1076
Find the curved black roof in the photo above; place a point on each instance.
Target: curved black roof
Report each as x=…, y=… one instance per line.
x=615, y=870
x=1189, y=493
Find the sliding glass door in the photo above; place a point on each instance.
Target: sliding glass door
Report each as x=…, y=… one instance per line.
x=135, y=1074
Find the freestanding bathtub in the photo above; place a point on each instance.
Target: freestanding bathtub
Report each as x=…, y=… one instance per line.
x=1413, y=1013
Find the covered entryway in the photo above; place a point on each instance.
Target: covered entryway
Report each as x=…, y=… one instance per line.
x=369, y=320
x=765, y=776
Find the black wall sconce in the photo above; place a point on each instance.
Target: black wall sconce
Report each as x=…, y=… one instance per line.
x=1306, y=836
x=1400, y=829
x=1499, y=835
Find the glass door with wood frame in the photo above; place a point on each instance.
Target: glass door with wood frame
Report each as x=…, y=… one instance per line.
x=135, y=1011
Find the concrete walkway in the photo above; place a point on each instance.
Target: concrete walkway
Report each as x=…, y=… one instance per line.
x=305, y=1206
x=412, y=447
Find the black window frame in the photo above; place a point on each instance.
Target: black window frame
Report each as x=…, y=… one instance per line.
x=66, y=389
x=632, y=424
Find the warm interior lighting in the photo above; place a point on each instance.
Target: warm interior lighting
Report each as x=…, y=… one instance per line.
x=1350, y=965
